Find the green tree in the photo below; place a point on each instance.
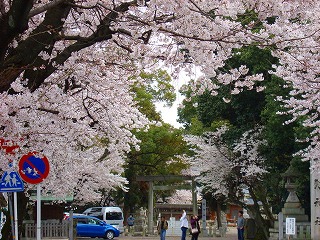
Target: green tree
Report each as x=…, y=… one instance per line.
x=243, y=112
x=161, y=146
x=158, y=155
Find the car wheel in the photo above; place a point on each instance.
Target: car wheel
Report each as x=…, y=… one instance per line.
x=109, y=235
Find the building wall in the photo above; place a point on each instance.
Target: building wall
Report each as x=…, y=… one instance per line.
x=48, y=212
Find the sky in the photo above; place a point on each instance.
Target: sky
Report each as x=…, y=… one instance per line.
x=170, y=114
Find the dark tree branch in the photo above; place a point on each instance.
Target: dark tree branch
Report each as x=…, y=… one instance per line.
x=45, y=7
x=12, y=23
x=25, y=56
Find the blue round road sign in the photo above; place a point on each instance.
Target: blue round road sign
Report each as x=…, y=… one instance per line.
x=33, y=169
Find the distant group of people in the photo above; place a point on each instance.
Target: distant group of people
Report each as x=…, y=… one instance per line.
x=194, y=226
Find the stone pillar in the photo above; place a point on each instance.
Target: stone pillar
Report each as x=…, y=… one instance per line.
x=194, y=198
x=315, y=201
x=280, y=220
x=139, y=227
x=204, y=217
x=150, y=209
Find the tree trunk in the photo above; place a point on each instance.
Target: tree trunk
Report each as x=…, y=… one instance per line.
x=219, y=222
x=6, y=230
x=255, y=210
x=22, y=211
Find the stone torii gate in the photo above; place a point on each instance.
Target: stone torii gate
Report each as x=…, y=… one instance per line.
x=152, y=188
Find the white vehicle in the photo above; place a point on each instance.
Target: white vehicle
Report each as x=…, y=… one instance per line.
x=111, y=215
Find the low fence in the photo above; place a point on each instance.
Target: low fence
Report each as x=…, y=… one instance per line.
x=49, y=229
x=175, y=230
x=60, y=229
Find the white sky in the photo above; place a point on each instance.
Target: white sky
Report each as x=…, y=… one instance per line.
x=170, y=115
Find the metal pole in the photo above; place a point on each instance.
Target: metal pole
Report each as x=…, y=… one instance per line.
x=15, y=212
x=71, y=226
x=11, y=215
x=38, y=212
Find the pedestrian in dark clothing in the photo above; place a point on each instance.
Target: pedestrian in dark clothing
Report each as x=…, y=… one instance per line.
x=130, y=222
x=240, y=225
x=162, y=228
x=195, y=227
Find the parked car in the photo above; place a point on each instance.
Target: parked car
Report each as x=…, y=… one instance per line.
x=88, y=226
x=110, y=215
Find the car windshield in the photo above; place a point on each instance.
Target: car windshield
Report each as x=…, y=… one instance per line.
x=114, y=216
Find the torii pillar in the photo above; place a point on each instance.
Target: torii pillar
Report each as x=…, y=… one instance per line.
x=150, y=208
x=152, y=188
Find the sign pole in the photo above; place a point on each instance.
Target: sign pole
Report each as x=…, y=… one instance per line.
x=38, y=212
x=11, y=213
x=15, y=212
x=34, y=168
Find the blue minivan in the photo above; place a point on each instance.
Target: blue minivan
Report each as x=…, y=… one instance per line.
x=110, y=215
x=88, y=226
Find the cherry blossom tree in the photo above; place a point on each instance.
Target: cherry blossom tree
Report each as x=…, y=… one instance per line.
x=81, y=132
x=214, y=161
x=66, y=65
x=180, y=197
x=225, y=172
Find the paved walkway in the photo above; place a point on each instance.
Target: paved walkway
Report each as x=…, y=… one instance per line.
x=231, y=235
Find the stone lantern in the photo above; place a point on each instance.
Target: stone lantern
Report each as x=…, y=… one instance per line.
x=292, y=209
x=291, y=186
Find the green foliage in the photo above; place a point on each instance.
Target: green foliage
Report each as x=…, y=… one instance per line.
x=145, y=103
x=303, y=182
x=158, y=155
x=281, y=145
x=160, y=146
x=159, y=150
x=160, y=87
x=189, y=111
x=251, y=20
x=248, y=109
x=281, y=137
x=244, y=109
x=196, y=127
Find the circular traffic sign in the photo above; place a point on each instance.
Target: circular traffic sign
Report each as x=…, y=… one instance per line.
x=32, y=168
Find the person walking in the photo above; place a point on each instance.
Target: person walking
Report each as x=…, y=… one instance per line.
x=184, y=225
x=240, y=225
x=195, y=227
x=130, y=222
x=162, y=228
